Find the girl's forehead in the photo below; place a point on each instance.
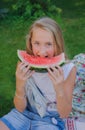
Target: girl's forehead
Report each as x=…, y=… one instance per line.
x=42, y=35
x=42, y=31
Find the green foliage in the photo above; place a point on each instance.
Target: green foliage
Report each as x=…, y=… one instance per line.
x=37, y=8
x=31, y=9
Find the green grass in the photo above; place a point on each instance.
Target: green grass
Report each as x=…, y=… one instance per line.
x=12, y=37
x=74, y=36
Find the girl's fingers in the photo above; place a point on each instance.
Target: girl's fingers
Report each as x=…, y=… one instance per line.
x=23, y=69
x=55, y=72
x=23, y=66
x=50, y=71
x=51, y=74
x=30, y=74
x=26, y=71
x=56, y=75
x=59, y=69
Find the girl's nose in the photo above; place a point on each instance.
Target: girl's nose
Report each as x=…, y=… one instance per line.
x=41, y=53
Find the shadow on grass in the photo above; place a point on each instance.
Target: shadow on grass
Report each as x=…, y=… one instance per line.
x=5, y=105
x=71, y=9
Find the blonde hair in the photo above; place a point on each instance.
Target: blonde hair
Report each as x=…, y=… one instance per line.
x=49, y=25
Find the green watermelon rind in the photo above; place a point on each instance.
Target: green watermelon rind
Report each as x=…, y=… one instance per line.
x=37, y=69
x=41, y=67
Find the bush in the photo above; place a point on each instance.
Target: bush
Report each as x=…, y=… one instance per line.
x=34, y=9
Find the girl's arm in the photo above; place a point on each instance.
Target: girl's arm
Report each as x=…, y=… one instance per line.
x=22, y=74
x=64, y=89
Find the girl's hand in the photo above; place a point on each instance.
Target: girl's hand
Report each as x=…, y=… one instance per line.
x=23, y=72
x=56, y=75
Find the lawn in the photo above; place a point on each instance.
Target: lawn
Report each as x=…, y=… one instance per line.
x=12, y=37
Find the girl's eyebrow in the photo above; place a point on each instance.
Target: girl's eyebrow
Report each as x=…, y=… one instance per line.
x=50, y=42
x=34, y=41
x=45, y=42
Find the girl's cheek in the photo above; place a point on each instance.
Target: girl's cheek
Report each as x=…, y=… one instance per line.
x=51, y=53
x=35, y=51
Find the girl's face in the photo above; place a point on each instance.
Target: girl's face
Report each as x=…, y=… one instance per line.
x=43, y=44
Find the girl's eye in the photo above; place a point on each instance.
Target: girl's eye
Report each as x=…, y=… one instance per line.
x=36, y=43
x=49, y=44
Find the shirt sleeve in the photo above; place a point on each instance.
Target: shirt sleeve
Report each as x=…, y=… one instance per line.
x=67, y=68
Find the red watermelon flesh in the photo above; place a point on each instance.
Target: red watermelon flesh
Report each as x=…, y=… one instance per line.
x=40, y=62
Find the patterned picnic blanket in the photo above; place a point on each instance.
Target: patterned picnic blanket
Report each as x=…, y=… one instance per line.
x=75, y=124
x=78, y=104
x=76, y=121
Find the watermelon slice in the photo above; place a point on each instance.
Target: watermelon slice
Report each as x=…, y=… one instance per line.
x=40, y=63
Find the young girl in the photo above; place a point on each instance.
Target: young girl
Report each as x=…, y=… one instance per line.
x=42, y=100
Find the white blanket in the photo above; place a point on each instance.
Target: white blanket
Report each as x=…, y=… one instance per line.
x=75, y=124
